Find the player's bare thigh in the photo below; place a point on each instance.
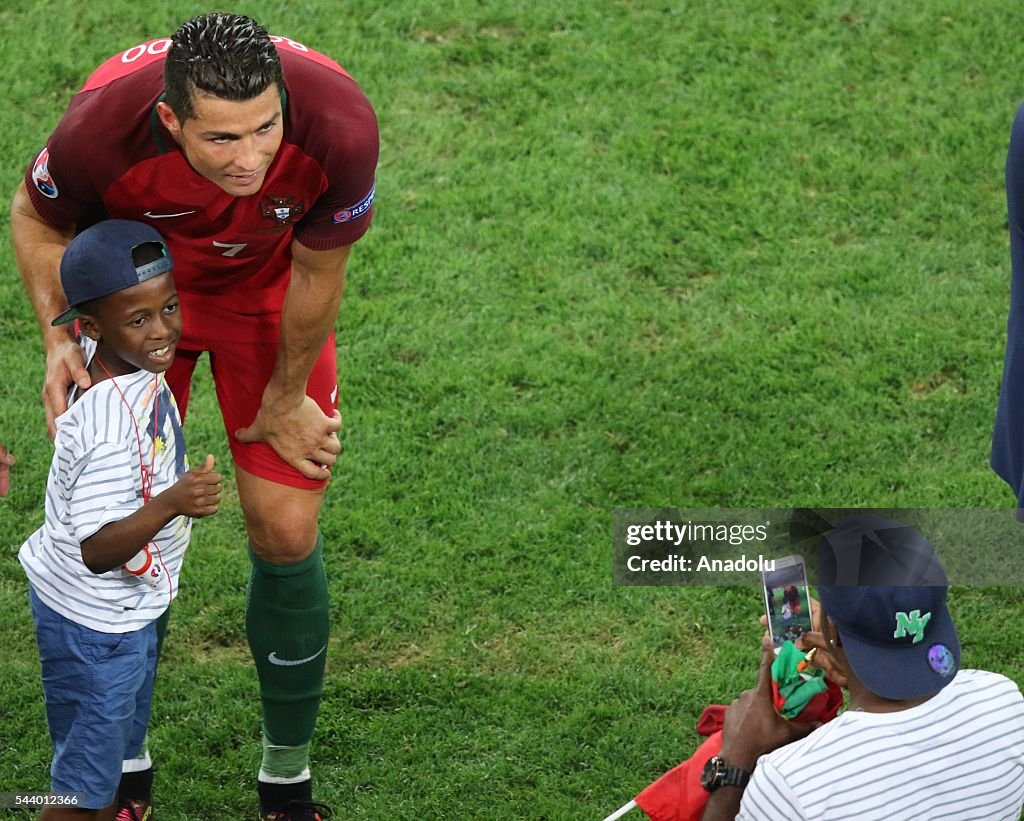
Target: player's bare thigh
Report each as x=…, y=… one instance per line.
x=281, y=520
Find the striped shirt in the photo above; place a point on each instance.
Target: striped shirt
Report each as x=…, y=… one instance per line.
x=957, y=756
x=96, y=478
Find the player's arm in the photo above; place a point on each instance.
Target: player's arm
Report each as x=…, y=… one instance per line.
x=289, y=420
x=38, y=247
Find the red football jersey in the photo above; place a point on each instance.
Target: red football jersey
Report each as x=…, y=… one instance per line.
x=110, y=157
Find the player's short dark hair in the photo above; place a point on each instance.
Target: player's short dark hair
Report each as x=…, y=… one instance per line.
x=227, y=55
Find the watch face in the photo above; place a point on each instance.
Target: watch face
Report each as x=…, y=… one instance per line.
x=710, y=776
x=717, y=773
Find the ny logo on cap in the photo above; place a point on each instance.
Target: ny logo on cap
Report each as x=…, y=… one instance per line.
x=913, y=624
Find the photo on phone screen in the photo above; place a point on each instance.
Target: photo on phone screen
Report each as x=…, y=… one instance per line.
x=787, y=600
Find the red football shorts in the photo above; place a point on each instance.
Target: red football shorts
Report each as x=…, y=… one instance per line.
x=241, y=368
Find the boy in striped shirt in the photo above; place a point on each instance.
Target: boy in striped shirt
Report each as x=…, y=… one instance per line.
x=120, y=498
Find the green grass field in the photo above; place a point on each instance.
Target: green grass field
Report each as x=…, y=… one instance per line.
x=625, y=254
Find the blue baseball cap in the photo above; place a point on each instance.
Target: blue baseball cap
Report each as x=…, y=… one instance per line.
x=884, y=588
x=98, y=262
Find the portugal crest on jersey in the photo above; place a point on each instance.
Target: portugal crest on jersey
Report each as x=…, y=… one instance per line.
x=283, y=210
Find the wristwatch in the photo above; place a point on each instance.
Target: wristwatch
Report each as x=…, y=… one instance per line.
x=718, y=773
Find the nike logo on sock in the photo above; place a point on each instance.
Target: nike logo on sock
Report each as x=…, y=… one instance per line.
x=280, y=662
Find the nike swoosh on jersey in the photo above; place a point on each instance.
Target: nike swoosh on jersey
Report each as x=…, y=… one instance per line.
x=153, y=216
x=280, y=662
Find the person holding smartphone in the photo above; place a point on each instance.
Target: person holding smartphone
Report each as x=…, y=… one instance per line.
x=921, y=738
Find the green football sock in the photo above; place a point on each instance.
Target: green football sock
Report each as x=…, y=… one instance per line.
x=287, y=624
x=283, y=764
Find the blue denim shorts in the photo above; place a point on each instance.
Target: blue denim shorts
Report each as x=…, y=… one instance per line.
x=98, y=688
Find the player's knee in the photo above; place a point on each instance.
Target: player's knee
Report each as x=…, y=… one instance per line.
x=282, y=540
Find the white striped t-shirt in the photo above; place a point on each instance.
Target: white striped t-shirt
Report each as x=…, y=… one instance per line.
x=95, y=479
x=958, y=756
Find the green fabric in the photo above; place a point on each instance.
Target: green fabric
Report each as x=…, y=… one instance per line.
x=796, y=688
x=286, y=622
x=283, y=762
x=161, y=631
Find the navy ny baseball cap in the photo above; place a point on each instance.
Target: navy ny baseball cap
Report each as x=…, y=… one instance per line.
x=98, y=262
x=884, y=588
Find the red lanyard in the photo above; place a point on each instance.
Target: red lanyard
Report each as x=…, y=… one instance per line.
x=142, y=564
x=147, y=473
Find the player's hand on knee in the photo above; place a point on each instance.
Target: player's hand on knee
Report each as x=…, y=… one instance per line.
x=303, y=436
x=65, y=363
x=197, y=493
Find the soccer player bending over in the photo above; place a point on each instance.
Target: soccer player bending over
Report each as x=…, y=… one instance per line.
x=255, y=157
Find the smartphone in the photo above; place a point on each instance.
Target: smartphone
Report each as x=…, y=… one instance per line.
x=787, y=601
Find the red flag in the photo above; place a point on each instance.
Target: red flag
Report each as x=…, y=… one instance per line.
x=678, y=794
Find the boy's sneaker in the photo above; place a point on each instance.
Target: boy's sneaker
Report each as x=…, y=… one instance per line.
x=299, y=811
x=134, y=811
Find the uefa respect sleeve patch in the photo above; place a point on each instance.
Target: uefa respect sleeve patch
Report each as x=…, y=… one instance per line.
x=357, y=210
x=41, y=175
